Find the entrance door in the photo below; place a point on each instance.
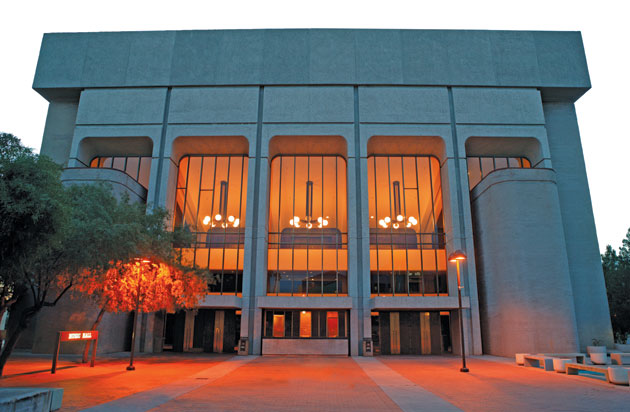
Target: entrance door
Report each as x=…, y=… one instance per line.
x=413, y=333
x=219, y=323
x=394, y=333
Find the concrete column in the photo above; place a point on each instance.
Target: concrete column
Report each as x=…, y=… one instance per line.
x=589, y=290
x=248, y=268
x=258, y=284
x=59, y=131
x=458, y=230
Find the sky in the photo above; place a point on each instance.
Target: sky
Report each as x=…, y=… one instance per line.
x=603, y=23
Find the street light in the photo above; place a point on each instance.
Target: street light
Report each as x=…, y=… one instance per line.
x=456, y=257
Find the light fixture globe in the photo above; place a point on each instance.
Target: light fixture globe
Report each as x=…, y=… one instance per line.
x=457, y=255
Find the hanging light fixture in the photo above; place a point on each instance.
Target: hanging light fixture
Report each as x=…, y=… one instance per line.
x=399, y=220
x=221, y=218
x=309, y=220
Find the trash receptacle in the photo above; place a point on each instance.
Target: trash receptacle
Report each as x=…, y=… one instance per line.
x=243, y=346
x=367, y=347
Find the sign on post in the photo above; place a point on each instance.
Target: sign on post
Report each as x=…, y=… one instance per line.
x=72, y=336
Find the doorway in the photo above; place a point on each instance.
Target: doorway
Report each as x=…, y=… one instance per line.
x=202, y=330
x=412, y=332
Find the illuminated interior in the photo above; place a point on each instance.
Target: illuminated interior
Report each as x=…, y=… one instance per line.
x=210, y=202
x=138, y=167
x=328, y=324
x=480, y=166
x=307, y=226
x=407, y=247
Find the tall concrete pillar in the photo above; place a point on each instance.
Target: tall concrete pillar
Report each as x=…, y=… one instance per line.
x=525, y=289
x=589, y=290
x=59, y=131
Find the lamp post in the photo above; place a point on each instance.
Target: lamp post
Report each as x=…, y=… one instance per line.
x=456, y=257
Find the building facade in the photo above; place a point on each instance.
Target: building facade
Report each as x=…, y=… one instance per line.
x=327, y=174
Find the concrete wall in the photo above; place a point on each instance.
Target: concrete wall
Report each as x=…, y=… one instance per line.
x=59, y=130
x=79, y=313
x=523, y=271
x=587, y=279
x=119, y=181
x=165, y=94
x=69, y=62
x=305, y=346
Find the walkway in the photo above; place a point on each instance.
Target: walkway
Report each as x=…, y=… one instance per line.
x=290, y=383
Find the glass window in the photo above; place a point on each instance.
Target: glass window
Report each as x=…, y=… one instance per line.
x=332, y=321
x=407, y=247
x=138, y=167
x=307, y=252
x=306, y=324
x=480, y=166
x=210, y=202
x=278, y=326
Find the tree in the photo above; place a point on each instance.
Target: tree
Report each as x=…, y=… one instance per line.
x=165, y=283
x=53, y=238
x=617, y=276
x=11, y=148
x=146, y=285
x=33, y=211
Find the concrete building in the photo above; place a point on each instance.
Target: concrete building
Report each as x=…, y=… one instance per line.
x=328, y=174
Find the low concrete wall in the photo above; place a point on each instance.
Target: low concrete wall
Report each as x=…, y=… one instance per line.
x=120, y=181
x=305, y=347
x=30, y=399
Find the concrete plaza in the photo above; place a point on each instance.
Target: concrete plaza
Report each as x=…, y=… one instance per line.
x=289, y=383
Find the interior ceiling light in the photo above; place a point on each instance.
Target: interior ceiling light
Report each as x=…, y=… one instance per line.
x=399, y=220
x=309, y=220
x=219, y=219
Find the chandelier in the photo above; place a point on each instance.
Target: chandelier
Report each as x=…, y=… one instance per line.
x=399, y=220
x=221, y=219
x=309, y=220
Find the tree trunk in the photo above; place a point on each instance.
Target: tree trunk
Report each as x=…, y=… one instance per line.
x=12, y=338
x=86, y=351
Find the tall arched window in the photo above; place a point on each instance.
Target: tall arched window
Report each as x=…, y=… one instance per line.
x=210, y=202
x=407, y=245
x=308, y=226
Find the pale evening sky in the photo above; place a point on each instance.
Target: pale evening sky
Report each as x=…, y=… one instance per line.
x=603, y=25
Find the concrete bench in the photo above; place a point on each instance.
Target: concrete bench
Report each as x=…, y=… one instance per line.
x=537, y=361
x=620, y=358
x=614, y=374
x=520, y=358
x=574, y=357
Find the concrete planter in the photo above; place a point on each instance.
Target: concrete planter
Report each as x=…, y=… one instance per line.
x=599, y=358
x=595, y=349
x=618, y=376
x=560, y=365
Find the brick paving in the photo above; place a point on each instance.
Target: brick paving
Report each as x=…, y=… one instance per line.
x=202, y=382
